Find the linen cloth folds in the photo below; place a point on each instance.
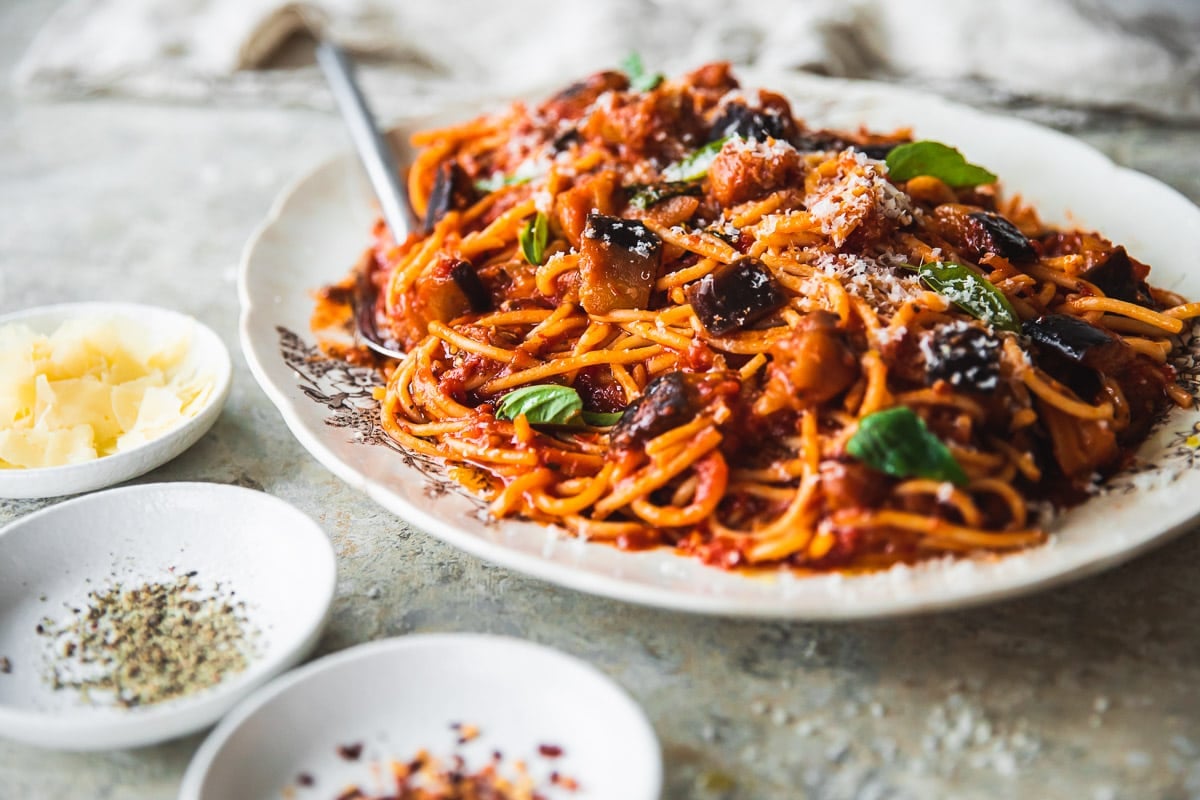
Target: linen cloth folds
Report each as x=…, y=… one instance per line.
x=1141, y=55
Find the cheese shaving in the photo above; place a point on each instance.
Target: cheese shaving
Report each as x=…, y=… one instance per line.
x=92, y=388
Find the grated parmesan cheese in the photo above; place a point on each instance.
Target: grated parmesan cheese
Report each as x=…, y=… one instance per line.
x=92, y=388
x=859, y=190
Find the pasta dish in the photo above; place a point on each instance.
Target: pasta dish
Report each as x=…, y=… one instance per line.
x=665, y=312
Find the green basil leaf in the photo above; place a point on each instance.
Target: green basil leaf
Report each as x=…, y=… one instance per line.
x=526, y=171
x=533, y=239
x=937, y=160
x=544, y=404
x=552, y=404
x=695, y=165
x=639, y=79
x=602, y=419
x=499, y=181
x=972, y=293
x=897, y=442
x=646, y=195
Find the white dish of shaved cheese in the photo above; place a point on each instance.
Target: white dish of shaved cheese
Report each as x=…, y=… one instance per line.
x=93, y=394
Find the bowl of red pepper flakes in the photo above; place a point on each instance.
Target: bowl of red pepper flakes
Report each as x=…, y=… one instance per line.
x=456, y=776
x=433, y=717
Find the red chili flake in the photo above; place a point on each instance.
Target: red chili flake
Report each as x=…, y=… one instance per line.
x=350, y=752
x=467, y=733
x=550, y=750
x=304, y=779
x=353, y=793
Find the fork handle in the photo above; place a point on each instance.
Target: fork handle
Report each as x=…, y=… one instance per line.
x=374, y=152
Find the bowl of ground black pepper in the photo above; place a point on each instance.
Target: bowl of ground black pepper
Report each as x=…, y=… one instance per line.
x=144, y=613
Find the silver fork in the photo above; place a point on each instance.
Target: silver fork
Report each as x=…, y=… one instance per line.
x=379, y=162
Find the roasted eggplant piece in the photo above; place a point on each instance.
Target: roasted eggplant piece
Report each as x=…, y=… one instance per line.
x=976, y=233
x=815, y=363
x=1082, y=447
x=438, y=296
x=1078, y=353
x=738, y=174
x=1115, y=276
x=644, y=195
x=878, y=152
x=451, y=189
x=819, y=141
x=738, y=119
x=995, y=233
x=1078, y=341
x=573, y=101
x=736, y=296
x=1068, y=348
x=668, y=401
x=965, y=356
x=618, y=264
x=565, y=139
x=850, y=484
x=463, y=273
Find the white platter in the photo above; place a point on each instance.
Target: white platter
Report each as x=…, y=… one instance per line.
x=320, y=226
x=398, y=696
x=277, y=560
x=207, y=355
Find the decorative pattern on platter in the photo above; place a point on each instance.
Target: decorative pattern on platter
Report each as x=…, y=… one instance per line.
x=347, y=391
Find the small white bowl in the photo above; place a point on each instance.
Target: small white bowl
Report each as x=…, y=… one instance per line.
x=398, y=696
x=208, y=354
x=276, y=559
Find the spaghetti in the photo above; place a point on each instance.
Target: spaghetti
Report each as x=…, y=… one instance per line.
x=678, y=316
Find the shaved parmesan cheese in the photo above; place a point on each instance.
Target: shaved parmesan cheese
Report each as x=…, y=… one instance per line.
x=92, y=388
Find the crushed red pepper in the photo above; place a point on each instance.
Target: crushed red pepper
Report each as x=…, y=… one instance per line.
x=426, y=777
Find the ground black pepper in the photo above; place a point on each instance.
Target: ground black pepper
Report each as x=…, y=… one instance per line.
x=150, y=643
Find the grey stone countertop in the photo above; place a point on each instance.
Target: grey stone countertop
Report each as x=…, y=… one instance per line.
x=1087, y=691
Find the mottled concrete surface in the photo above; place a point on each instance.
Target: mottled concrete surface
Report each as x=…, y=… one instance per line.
x=1088, y=691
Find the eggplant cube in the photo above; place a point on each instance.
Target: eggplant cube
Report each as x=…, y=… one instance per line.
x=619, y=261
x=735, y=297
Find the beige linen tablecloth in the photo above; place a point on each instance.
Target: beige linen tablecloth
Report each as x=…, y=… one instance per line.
x=1142, y=55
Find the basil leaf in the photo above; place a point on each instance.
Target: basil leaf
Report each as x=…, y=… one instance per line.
x=533, y=239
x=695, y=165
x=602, y=419
x=646, y=195
x=936, y=160
x=639, y=79
x=552, y=404
x=897, y=442
x=972, y=293
x=526, y=171
x=544, y=404
x=499, y=181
